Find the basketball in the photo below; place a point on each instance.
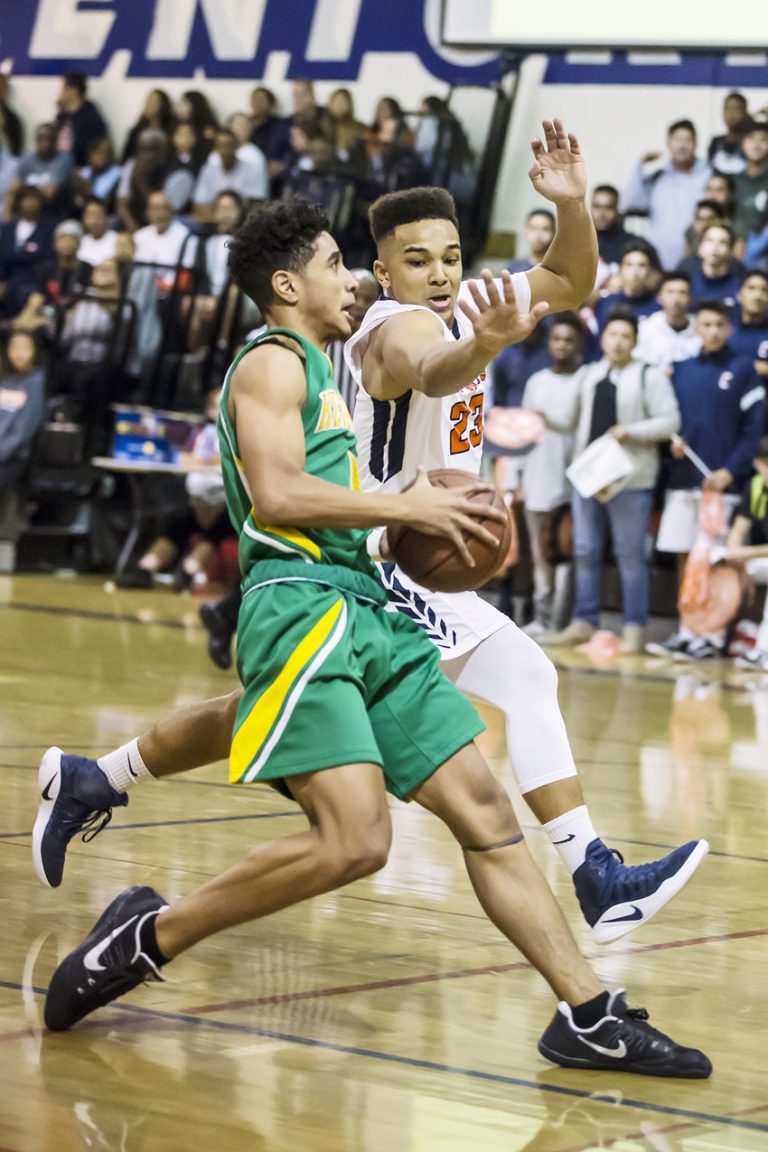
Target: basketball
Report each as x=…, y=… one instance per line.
x=434, y=563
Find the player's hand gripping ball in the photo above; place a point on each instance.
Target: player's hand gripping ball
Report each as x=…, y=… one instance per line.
x=434, y=562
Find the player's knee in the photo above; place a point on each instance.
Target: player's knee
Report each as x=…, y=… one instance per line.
x=487, y=815
x=363, y=853
x=540, y=672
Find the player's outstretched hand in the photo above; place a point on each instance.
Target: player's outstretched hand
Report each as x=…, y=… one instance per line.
x=558, y=171
x=496, y=318
x=450, y=512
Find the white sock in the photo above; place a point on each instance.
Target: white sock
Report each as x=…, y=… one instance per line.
x=570, y=834
x=124, y=767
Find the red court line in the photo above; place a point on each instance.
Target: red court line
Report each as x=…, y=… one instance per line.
x=456, y=974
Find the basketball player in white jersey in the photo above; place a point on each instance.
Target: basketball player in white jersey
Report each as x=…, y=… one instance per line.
x=419, y=361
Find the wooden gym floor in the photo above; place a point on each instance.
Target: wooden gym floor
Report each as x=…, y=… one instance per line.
x=390, y=1016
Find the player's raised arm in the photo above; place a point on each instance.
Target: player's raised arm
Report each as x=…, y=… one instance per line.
x=566, y=275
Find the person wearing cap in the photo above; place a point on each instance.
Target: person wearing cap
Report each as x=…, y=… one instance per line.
x=752, y=184
x=60, y=279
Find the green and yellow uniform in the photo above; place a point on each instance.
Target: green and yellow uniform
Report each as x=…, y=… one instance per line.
x=330, y=676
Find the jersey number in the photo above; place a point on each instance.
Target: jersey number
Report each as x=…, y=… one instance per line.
x=467, y=429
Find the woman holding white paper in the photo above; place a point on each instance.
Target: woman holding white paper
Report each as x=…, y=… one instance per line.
x=618, y=399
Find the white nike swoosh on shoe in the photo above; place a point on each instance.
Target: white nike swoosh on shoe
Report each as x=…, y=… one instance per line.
x=617, y=1053
x=93, y=955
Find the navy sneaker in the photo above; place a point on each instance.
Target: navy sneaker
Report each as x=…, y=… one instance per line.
x=617, y=898
x=75, y=796
x=220, y=633
x=109, y=962
x=623, y=1041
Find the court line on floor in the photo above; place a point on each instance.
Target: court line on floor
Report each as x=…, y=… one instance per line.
x=92, y=614
x=464, y=973
x=297, y=812
x=406, y=1061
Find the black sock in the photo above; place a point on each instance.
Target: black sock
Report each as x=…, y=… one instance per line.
x=589, y=1013
x=149, y=945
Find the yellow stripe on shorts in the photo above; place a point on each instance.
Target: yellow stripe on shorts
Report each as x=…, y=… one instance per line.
x=291, y=536
x=264, y=724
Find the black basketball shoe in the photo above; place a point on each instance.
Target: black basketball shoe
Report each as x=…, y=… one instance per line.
x=623, y=1041
x=109, y=962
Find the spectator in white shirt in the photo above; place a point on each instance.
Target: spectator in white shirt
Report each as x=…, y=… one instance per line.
x=98, y=242
x=229, y=210
x=670, y=335
x=223, y=171
x=162, y=241
x=553, y=392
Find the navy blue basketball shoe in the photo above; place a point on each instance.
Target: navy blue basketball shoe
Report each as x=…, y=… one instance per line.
x=110, y=961
x=75, y=797
x=616, y=898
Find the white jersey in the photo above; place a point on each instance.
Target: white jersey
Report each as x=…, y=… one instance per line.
x=396, y=437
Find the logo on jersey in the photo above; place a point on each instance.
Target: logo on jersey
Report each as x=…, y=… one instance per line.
x=725, y=381
x=473, y=387
x=333, y=412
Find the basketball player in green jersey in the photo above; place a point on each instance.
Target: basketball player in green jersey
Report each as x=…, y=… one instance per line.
x=343, y=700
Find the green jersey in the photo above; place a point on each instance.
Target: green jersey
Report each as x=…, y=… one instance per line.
x=330, y=447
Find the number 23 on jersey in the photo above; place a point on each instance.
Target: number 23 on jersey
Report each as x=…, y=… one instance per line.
x=467, y=424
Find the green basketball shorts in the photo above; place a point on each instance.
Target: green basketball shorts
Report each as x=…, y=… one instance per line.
x=331, y=677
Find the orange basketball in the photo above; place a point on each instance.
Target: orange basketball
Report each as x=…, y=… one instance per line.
x=433, y=561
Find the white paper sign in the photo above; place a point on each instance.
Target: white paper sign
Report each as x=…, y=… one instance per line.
x=600, y=469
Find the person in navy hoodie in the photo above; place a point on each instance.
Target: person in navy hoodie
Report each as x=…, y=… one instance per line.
x=722, y=409
x=715, y=273
x=26, y=241
x=749, y=337
x=639, y=274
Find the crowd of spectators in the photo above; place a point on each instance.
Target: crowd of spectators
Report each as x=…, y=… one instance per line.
x=668, y=358
x=113, y=267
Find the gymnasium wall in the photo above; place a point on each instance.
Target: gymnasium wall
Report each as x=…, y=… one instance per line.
x=619, y=105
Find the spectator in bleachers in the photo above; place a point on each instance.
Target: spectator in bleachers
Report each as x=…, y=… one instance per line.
x=99, y=240
x=513, y=367
x=721, y=188
x=667, y=189
x=44, y=168
x=60, y=280
x=749, y=337
x=707, y=212
x=715, y=273
x=146, y=173
x=188, y=541
x=157, y=113
x=752, y=184
x=724, y=152
x=621, y=397
x=163, y=241
x=552, y=392
x=26, y=240
x=241, y=124
x=85, y=368
x=345, y=133
x=722, y=409
x=228, y=214
x=100, y=177
x=193, y=108
x=11, y=126
x=306, y=110
x=8, y=167
x=748, y=545
x=638, y=278
x=388, y=108
x=539, y=234
x=392, y=160
x=22, y=407
x=670, y=334
x=271, y=133
x=78, y=124
x=188, y=156
x=223, y=171
x=756, y=247
x=612, y=236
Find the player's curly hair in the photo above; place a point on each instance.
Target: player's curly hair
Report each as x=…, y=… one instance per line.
x=277, y=234
x=396, y=208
